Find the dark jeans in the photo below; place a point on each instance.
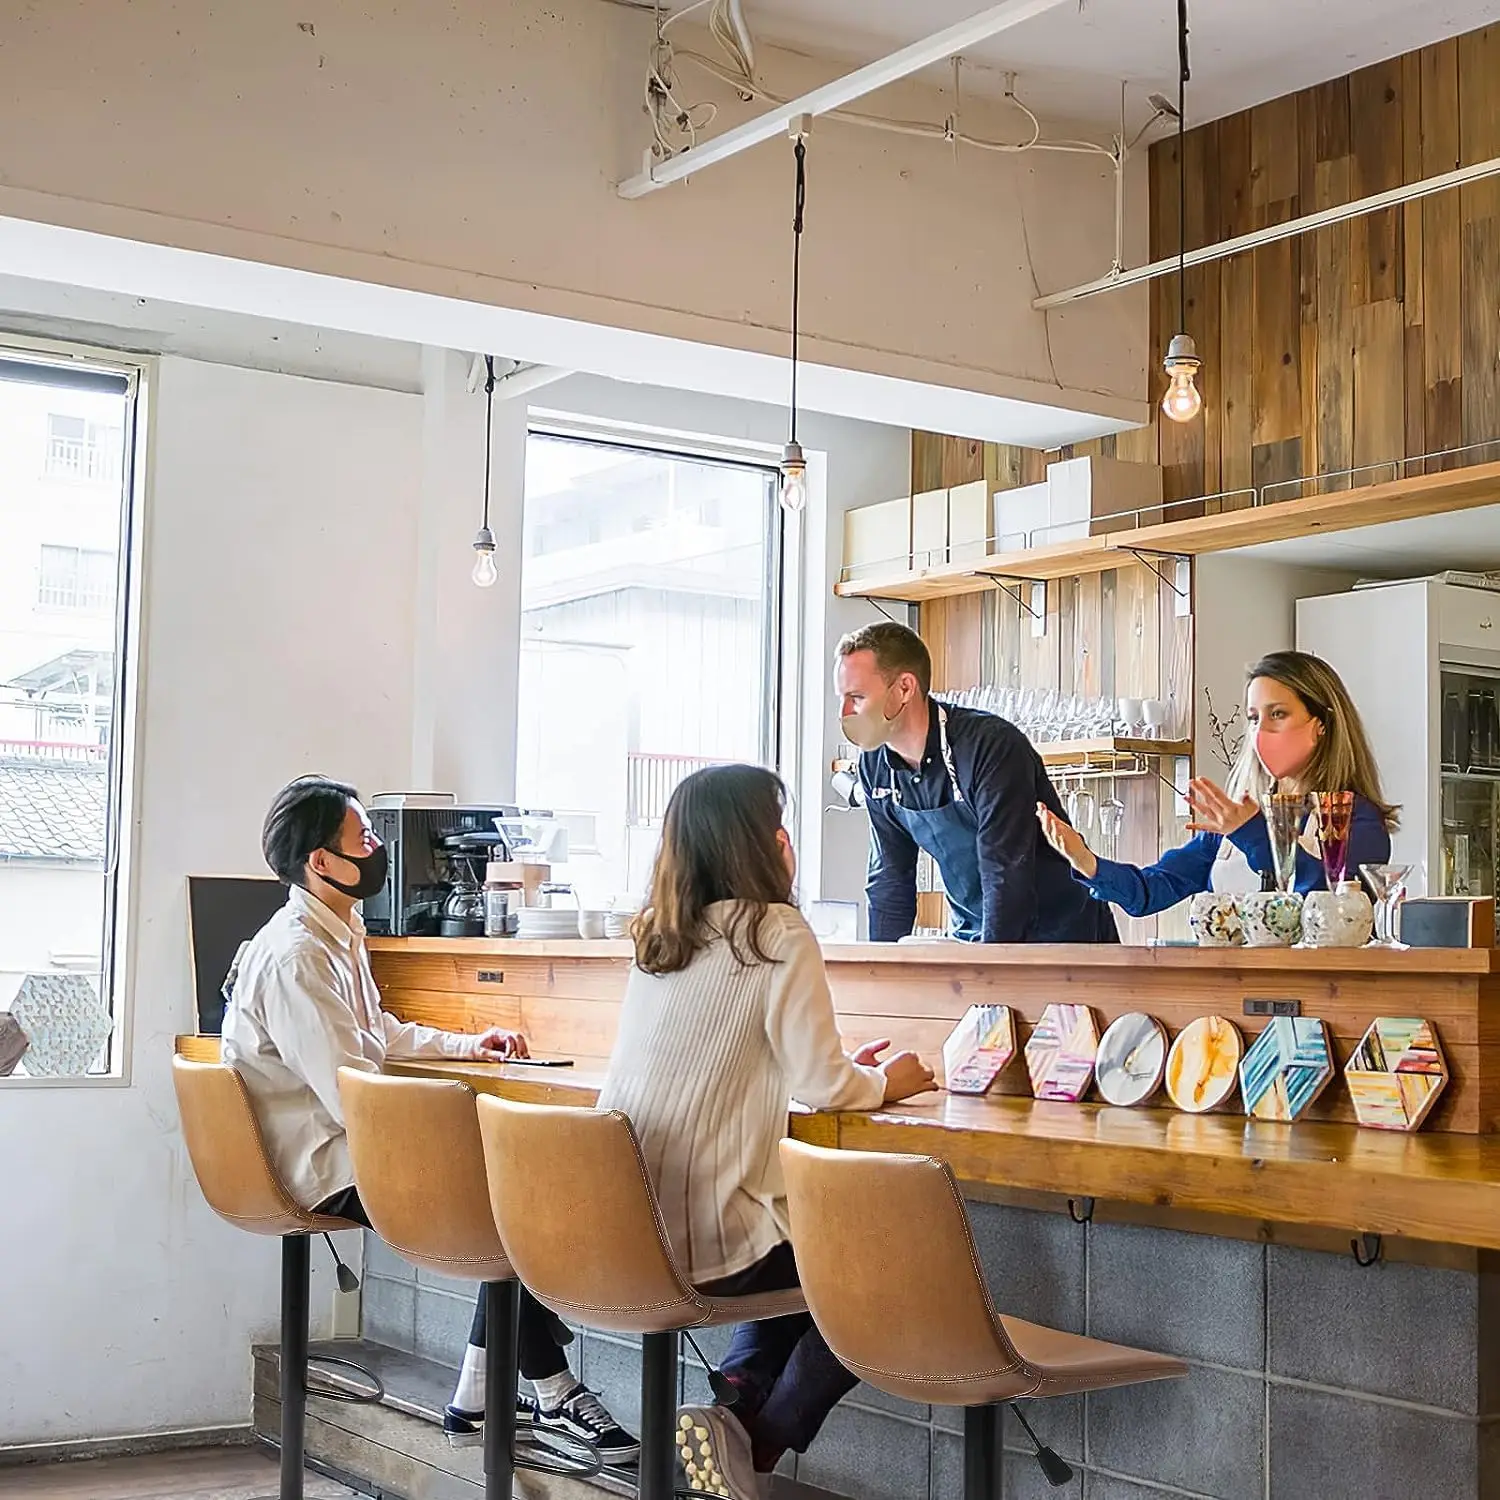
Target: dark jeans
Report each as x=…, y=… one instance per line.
x=787, y=1377
x=542, y=1333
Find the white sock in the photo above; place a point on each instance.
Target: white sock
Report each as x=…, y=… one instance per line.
x=469, y=1396
x=553, y=1390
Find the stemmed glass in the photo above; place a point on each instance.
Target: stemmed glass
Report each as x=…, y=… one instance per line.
x=1286, y=812
x=1389, y=884
x=1111, y=821
x=1335, y=815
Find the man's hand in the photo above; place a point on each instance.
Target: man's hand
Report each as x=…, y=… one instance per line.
x=868, y=1056
x=906, y=1074
x=499, y=1045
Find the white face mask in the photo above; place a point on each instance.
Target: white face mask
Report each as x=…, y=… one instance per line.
x=868, y=728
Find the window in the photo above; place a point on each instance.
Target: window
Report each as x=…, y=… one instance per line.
x=78, y=448
x=649, y=643
x=77, y=578
x=63, y=628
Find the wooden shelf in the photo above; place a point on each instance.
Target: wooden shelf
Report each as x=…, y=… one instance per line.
x=1347, y=510
x=1101, y=752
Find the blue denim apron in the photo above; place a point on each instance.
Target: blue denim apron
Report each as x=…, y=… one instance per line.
x=951, y=836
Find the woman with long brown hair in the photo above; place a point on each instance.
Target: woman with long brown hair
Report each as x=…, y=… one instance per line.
x=1303, y=734
x=728, y=1017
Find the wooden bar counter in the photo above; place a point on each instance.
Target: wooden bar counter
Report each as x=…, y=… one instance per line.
x=1442, y=1184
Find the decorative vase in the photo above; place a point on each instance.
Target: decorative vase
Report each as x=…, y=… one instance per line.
x=1342, y=918
x=1215, y=920
x=1271, y=919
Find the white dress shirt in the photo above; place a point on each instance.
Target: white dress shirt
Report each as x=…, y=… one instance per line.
x=305, y=1005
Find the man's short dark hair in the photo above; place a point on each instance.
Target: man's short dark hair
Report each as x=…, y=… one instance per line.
x=306, y=815
x=895, y=648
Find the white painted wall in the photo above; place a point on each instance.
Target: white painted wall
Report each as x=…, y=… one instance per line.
x=473, y=153
x=280, y=589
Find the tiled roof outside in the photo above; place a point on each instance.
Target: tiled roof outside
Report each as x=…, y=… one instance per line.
x=52, y=809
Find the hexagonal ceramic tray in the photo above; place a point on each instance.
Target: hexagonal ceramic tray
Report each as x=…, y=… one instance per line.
x=1060, y=1054
x=1287, y=1067
x=1132, y=1058
x=979, y=1048
x=1203, y=1065
x=1396, y=1073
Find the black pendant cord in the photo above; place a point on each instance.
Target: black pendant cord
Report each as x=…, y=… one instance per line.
x=1183, y=74
x=489, y=422
x=801, y=154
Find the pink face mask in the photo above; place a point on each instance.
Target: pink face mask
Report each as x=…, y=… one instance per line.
x=1284, y=752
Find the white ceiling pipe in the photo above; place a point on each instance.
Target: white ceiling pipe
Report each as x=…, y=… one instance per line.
x=531, y=378
x=936, y=48
x=1391, y=198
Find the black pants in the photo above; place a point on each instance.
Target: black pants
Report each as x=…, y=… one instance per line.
x=542, y=1333
x=787, y=1376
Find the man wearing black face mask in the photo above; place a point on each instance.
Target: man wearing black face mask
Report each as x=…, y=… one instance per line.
x=303, y=1005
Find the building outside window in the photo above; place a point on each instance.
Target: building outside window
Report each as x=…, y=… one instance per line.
x=649, y=640
x=62, y=625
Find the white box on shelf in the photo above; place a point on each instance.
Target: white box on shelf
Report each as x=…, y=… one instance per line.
x=1081, y=491
x=877, y=538
x=1018, y=513
x=969, y=521
x=929, y=528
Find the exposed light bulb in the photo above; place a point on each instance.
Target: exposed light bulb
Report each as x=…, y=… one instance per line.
x=793, y=478
x=1183, y=401
x=485, y=572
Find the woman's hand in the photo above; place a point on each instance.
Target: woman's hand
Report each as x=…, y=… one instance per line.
x=1067, y=841
x=906, y=1074
x=499, y=1045
x=1215, y=811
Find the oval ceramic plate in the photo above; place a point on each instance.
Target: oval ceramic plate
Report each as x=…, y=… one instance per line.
x=1132, y=1058
x=1203, y=1066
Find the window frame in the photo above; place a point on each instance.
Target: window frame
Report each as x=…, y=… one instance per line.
x=72, y=364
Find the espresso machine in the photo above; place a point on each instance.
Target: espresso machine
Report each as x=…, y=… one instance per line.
x=435, y=883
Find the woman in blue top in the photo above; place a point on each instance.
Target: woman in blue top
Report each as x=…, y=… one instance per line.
x=1303, y=735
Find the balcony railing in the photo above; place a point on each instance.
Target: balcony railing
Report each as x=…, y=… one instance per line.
x=54, y=750
x=76, y=458
x=651, y=781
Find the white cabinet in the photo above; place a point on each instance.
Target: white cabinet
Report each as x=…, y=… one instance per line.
x=1422, y=663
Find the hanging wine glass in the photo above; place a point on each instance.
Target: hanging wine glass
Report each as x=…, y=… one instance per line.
x=1111, y=823
x=1389, y=885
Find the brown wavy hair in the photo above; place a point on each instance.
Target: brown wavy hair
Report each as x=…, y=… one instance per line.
x=1343, y=760
x=718, y=843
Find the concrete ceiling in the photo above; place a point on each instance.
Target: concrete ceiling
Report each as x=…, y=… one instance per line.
x=1072, y=59
x=1465, y=539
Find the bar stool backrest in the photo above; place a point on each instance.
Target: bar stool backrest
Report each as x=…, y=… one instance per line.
x=419, y=1168
x=227, y=1151
x=579, y=1217
x=888, y=1266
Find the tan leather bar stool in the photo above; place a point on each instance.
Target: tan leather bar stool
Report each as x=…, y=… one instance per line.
x=892, y=1279
x=234, y=1171
x=581, y=1224
x=419, y=1168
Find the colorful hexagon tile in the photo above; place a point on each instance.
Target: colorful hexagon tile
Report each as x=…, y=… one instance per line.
x=1203, y=1065
x=1396, y=1073
x=1060, y=1055
x=979, y=1049
x=1286, y=1068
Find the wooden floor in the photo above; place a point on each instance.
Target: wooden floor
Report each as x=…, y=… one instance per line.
x=197, y=1474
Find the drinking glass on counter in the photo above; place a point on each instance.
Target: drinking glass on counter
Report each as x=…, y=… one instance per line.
x=1335, y=817
x=1286, y=814
x=1389, y=884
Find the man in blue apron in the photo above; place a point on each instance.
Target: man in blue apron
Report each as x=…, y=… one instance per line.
x=963, y=786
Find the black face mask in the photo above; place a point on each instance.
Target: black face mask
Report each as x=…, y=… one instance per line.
x=372, y=871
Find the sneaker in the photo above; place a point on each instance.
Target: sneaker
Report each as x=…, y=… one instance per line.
x=465, y=1429
x=584, y=1416
x=715, y=1453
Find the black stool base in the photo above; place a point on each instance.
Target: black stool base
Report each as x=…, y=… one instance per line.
x=295, y=1263
x=981, y=1453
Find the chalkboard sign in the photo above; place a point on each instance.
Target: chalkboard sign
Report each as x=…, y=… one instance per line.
x=223, y=912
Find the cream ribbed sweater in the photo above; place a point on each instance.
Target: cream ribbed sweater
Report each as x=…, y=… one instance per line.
x=706, y=1063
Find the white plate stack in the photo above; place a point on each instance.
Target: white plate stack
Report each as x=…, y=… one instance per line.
x=617, y=923
x=548, y=924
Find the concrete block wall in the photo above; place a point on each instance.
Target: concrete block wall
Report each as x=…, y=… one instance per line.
x=1310, y=1377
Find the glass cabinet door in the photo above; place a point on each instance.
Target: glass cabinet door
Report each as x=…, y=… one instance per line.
x=1470, y=741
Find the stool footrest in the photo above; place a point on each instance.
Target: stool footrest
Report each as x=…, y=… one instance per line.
x=329, y=1391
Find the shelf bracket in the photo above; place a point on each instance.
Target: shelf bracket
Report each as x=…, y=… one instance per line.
x=1037, y=608
x=1181, y=580
x=1368, y=1249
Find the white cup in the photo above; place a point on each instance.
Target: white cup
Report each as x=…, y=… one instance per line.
x=591, y=923
x=1132, y=713
x=1156, y=712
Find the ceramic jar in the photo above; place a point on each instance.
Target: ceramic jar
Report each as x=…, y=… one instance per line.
x=1343, y=918
x=1271, y=919
x=1214, y=919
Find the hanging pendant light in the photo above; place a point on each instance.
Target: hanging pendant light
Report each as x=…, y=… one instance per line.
x=485, y=572
x=793, y=461
x=1183, y=401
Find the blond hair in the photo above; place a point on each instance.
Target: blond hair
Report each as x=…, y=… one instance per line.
x=1342, y=761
